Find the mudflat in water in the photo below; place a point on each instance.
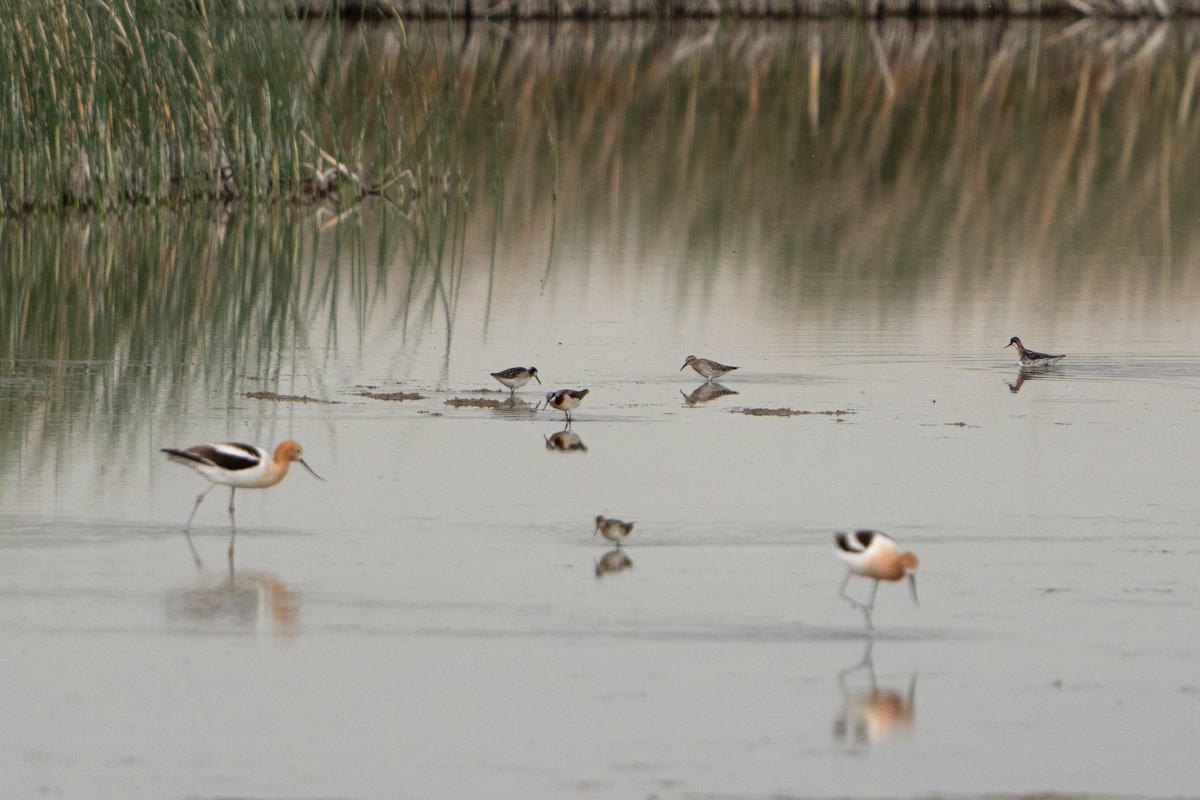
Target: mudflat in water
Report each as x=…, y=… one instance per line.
x=438, y=620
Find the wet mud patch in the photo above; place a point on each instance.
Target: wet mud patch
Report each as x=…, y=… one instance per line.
x=787, y=412
x=392, y=396
x=473, y=402
x=287, y=398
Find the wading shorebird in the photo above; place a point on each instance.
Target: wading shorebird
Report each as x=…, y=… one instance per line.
x=566, y=400
x=875, y=555
x=613, y=529
x=1031, y=358
x=706, y=367
x=516, y=377
x=238, y=466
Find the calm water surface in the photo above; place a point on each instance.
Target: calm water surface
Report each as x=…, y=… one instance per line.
x=859, y=218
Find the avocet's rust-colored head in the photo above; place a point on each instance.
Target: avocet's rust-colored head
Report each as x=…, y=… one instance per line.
x=289, y=451
x=1011, y=342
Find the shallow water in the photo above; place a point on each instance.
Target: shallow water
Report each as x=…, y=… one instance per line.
x=437, y=620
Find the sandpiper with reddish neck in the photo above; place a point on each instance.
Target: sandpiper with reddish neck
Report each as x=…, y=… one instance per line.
x=566, y=400
x=613, y=529
x=1031, y=358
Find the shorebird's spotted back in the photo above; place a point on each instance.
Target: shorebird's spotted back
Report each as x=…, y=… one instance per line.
x=707, y=368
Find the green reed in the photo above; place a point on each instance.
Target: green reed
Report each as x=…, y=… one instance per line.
x=125, y=102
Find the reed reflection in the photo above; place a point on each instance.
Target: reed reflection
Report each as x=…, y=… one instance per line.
x=612, y=562
x=565, y=441
x=869, y=714
x=706, y=393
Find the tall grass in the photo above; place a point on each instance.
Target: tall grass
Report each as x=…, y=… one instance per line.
x=117, y=102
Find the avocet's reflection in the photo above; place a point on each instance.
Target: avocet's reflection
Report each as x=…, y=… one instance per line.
x=705, y=393
x=613, y=561
x=565, y=441
x=870, y=714
x=242, y=599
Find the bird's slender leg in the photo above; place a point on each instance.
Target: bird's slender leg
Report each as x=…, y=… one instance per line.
x=192, y=547
x=232, y=525
x=188, y=527
x=866, y=609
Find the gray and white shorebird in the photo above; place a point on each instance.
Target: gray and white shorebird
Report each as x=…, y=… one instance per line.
x=613, y=529
x=1031, y=358
x=566, y=400
x=516, y=377
x=875, y=555
x=708, y=368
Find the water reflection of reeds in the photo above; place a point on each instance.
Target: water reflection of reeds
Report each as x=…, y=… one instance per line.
x=108, y=318
x=880, y=155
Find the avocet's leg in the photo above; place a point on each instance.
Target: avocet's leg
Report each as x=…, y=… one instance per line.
x=874, y=589
x=866, y=609
x=188, y=527
x=232, y=525
x=192, y=547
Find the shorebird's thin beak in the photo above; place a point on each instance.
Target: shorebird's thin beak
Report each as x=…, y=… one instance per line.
x=1010, y=344
x=912, y=584
x=684, y=365
x=536, y=378
x=310, y=469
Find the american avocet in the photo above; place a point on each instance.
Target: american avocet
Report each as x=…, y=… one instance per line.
x=706, y=367
x=613, y=529
x=874, y=554
x=1031, y=358
x=516, y=377
x=566, y=400
x=238, y=466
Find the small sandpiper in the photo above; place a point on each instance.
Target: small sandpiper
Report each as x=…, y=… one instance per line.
x=1031, y=358
x=708, y=368
x=613, y=529
x=566, y=400
x=875, y=555
x=516, y=377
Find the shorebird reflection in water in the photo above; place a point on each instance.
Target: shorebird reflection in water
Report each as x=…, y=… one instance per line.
x=875, y=555
x=707, y=368
x=1032, y=358
x=613, y=529
x=614, y=560
x=565, y=441
x=709, y=390
x=238, y=466
x=238, y=599
x=566, y=400
x=870, y=716
x=516, y=377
